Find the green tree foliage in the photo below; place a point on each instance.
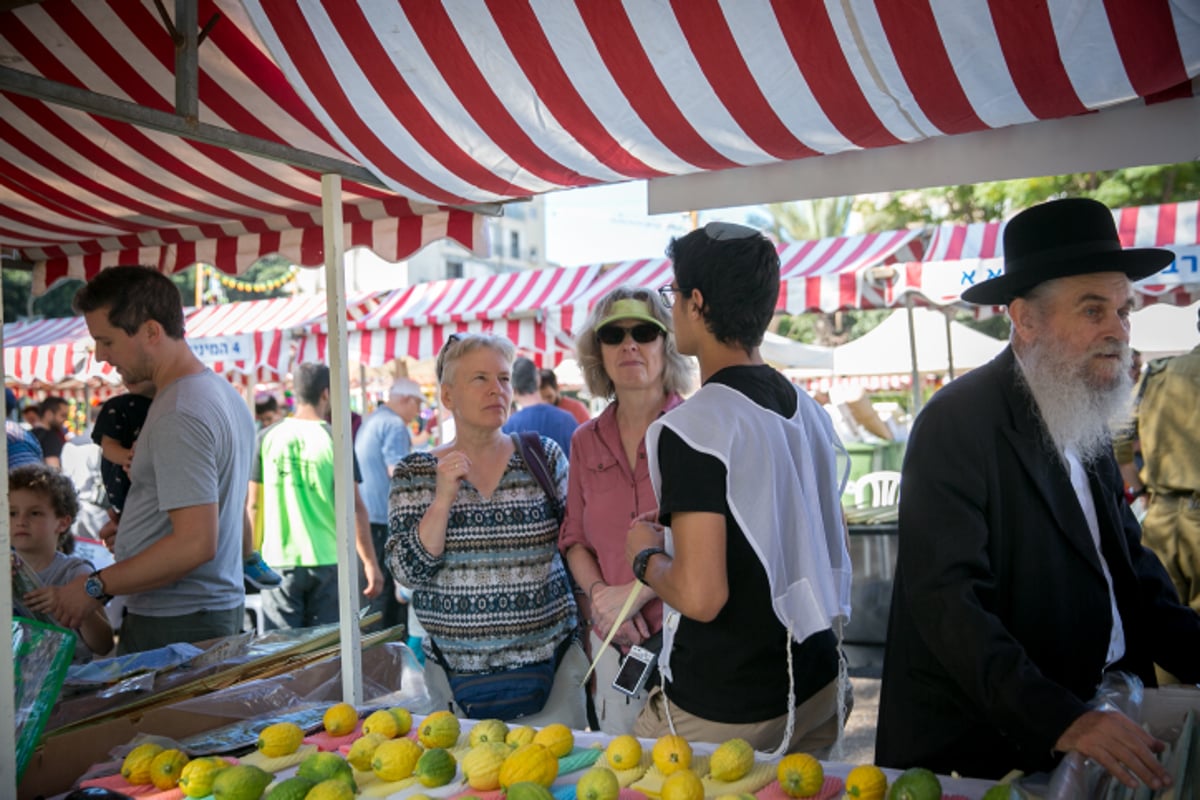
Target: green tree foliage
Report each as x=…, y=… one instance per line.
x=806, y=219
x=19, y=302
x=981, y=202
x=984, y=202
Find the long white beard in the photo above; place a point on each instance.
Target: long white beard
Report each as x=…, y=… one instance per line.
x=1077, y=413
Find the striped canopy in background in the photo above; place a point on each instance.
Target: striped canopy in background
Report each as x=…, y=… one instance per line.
x=959, y=256
x=534, y=309
x=248, y=342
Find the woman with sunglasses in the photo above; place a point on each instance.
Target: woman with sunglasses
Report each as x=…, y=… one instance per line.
x=626, y=352
x=474, y=535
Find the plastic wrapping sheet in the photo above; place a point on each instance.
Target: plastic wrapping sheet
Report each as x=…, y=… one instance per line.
x=1077, y=778
x=154, y=672
x=41, y=655
x=392, y=676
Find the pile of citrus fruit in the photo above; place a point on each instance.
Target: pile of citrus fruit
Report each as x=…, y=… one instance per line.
x=520, y=761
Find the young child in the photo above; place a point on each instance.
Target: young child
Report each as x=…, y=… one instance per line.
x=116, y=430
x=42, y=506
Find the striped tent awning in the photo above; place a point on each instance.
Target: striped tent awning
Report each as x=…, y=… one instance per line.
x=819, y=274
x=959, y=256
x=259, y=338
x=252, y=340
x=80, y=192
x=833, y=274
x=45, y=351
x=461, y=100
x=534, y=309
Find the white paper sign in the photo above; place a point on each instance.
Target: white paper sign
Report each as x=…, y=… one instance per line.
x=211, y=349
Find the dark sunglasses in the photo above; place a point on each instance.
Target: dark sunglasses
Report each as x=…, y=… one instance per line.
x=642, y=334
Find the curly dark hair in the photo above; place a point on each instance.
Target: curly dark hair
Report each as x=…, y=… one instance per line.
x=738, y=278
x=49, y=482
x=133, y=295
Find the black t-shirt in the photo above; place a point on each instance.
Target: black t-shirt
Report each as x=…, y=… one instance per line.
x=51, y=440
x=734, y=669
x=120, y=418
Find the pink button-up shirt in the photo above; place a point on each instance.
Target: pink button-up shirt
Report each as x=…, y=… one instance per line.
x=604, y=496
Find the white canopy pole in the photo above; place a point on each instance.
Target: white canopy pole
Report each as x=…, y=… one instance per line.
x=912, y=344
x=949, y=344
x=339, y=396
x=8, y=688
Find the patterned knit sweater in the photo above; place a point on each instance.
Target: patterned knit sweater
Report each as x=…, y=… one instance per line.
x=499, y=595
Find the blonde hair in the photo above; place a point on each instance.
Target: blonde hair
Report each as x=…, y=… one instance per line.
x=459, y=344
x=677, y=369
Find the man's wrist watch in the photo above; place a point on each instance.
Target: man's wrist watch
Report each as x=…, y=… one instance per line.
x=94, y=586
x=642, y=559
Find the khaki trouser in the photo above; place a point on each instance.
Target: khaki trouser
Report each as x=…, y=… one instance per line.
x=1172, y=530
x=567, y=702
x=615, y=711
x=815, y=729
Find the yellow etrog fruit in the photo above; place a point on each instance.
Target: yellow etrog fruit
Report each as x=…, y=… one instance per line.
x=341, y=719
x=395, y=759
x=166, y=768
x=243, y=782
x=383, y=722
x=136, y=767
x=624, y=752
x=557, y=738
x=363, y=750
x=732, y=760
x=332, y=789
x=196, y=779
x=439, y=729
x=280, y=739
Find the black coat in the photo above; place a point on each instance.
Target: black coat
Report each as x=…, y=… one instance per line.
x=1000, y=618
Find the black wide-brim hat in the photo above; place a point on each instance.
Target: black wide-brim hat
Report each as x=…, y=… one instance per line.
x=1076, y=236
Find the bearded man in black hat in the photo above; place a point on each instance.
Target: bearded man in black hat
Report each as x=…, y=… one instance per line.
x=1021, y=577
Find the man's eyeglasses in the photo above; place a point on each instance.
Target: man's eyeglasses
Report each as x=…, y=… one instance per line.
x=642, y=334
x=668, y=292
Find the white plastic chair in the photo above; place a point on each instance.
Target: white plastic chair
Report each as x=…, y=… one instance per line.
x=883, y=488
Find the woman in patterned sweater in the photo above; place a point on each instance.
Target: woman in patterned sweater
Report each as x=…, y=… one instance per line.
x=475, y=537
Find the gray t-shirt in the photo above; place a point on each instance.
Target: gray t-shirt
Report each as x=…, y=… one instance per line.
x=195, y=448
x=62, y=570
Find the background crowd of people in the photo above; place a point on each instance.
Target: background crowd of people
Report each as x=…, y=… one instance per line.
x=533, y=539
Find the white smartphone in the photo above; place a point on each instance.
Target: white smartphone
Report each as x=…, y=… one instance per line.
x=636, y=668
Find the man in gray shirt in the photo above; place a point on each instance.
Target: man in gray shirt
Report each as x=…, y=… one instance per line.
x=179, y=545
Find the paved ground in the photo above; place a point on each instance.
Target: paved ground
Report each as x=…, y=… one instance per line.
x=858, y=740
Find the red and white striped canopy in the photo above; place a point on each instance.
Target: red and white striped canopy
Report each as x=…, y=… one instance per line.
x=264, y=333
x=46, y=351
x=831, y=274
x=959, y=256
x=532, y=308
x=256, y=339
x=462, y=100
x=78, y=192
x=541, y=310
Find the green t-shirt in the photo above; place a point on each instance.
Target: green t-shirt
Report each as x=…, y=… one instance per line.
x=294, y=466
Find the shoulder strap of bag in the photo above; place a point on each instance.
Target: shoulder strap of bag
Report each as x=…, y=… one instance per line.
x=529, y=445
